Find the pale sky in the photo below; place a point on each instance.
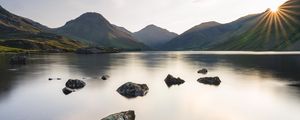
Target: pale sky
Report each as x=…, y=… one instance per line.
x=174, y=15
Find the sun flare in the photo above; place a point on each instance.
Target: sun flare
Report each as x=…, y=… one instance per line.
x=274, y=9
x=276, y=4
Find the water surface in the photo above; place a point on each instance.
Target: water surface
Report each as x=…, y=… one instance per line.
x=254, y=86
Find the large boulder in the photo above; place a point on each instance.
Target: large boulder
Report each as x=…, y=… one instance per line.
x=75, y=84
x=126, y=115
x=210, y=80
x=203, y=71
x=170, y=80
x=131, y=90
x=18, y=60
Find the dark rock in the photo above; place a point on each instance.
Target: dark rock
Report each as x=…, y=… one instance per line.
x=105, y=77
x=18, y=60
x=50, y=79
x=170, y=80
x=75, y=84
x=127, y=115
x=67, y=90
x=131, y=90
x=210, y=80
x=58, y=79
x=203, y=71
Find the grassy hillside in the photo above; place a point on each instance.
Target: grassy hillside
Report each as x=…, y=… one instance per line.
x=22, y=34
x=275, y=31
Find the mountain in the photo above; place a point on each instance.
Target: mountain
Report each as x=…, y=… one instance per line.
x=94, y=29
x=205, y=35
x=276, y=31
x=20, y=34
x=154, y=36
x=259, y=32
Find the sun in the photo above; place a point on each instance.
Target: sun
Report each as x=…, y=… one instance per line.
x=274, y=6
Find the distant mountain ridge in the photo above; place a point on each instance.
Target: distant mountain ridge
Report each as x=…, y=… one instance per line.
x=205, y=35
x=94, y=29
x=257, y=32
x=154, y=36
x=273, y=31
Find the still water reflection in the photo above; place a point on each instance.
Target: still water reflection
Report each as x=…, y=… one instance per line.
x=254, y=87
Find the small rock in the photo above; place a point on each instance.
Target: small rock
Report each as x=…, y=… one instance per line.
x=203, y=71
x=75, y=84
x=105, y=77
x=170, y=80
x=131, y=90
x=67, y=90
x=50, y=79
x=126, y=115
x=210, y=80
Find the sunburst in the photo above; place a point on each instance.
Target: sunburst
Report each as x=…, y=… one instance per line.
x=276, y=22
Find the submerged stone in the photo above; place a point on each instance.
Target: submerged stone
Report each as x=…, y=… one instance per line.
x=75, y=84
x=170, y=80
x=131, y=90
x=126, y=115
x=203, y=71
x=210, y=81
x=67, y=90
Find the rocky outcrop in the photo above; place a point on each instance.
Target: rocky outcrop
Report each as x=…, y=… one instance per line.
x=75, y=84
x=170, y=80
x=126, y=115
x=203, y=71
x=18, y=60
x=131, y=90
x=210, y=80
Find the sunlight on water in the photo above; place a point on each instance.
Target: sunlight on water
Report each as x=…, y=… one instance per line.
x=254, y=87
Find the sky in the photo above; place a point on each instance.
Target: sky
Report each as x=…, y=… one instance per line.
x=174, y=15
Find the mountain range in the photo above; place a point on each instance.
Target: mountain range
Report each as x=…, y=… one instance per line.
x=269, y=30
x=19, y=34
x=154, y=36
x=95, y=30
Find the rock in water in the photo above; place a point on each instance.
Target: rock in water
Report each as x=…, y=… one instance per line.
x=75, y=84
x=203, y=71
x=170, y=80
x=18, y=60
x=127, y=115
x=67, y=90
x=131, y=90
x=210, y=80
x=105, y=77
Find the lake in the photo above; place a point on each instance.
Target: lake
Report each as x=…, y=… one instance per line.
x=255, y=86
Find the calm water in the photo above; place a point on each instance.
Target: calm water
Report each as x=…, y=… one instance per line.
x=254, y=87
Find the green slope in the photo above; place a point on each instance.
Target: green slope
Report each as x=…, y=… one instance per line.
x=21, y=34
x=273, y=31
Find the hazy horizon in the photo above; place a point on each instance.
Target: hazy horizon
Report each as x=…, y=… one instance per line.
x=174, y=15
